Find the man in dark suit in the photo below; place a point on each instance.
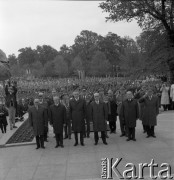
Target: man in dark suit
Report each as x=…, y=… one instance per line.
x=130, y=113
x=44, y=104
x=78, y=116
x=37, y=119
x=99, y=117
x=57, y=113
x=150, y=112
x=112, y=112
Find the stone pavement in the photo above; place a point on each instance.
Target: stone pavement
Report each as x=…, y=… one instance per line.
x=84, y=163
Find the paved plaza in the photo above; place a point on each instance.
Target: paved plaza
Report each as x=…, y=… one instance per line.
x=75, y=163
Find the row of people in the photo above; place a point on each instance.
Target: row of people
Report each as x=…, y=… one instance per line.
x=97, y=110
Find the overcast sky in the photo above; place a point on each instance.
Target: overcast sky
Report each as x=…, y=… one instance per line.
x=28, y=23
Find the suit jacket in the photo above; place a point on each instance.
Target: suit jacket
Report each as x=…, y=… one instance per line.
x=99, y=115
x=57, y=117
x=150, y=110
x=130, y=112
x=78, y=114
x=37, y=119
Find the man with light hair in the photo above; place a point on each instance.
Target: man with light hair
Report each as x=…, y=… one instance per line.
x=99, y=117
x=37, y=119
x=78, y=116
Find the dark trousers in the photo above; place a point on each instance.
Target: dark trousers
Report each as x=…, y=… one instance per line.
x=123, y=127
x=150, y=130
x=103, y=136
x=172, y=105
x=67, y=129
x=40, y=141
x=81, y=137
x=131, y=133
x=144, y=128
x=45, y=133
x=112, y=125
x=59, y=138
x=165, y=107
x=87, y=128
x=3, y=128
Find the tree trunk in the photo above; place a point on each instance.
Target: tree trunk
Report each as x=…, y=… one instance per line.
x=171, y=69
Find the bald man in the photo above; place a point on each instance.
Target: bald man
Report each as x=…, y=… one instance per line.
x=130, y=114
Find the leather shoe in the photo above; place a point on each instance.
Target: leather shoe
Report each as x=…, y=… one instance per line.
x=82, y=144
x=148, y=136
x=128, y=139
x=122, y=135
x=37, y=147
x=43, y=147
x=75, y=144
x=62, y=146
x=105, y=143
x=133, y=139
x=153, y=136
x=95, y=143
x=57, y=146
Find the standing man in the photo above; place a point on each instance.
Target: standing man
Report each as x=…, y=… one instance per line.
x=78, y=116
x=129, y=114
x=37, y=117
x=112, y=112
x=120, y=97
x=44, y=104
x=99, y=117
x=58, y=119
x=150, y=112
x=11, y=103
x=67, y=128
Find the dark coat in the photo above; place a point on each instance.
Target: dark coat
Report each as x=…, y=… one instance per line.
x=150, y=110
x=99, y=115
x=57, y=117
x=78, y=114
x=130, y=113
x=113, y=107
x=10, y=97
x=88, y=112
x=3, y=117
x=37, y=119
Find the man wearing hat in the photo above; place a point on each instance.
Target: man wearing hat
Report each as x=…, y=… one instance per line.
x=37, y=119
x=150, y=112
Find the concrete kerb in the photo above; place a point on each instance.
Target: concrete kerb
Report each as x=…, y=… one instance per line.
x=4, y=139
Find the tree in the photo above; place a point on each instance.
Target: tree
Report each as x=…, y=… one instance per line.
x=37, y=69
x=27, y=56
x=110, y=46
x=85, y=46
x=46, y=53
x=99, y=65
x=61, y=67
x=12, y=60
x=49, y=69
x=150, y=15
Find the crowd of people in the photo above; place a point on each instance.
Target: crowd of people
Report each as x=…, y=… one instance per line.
x=73, y=105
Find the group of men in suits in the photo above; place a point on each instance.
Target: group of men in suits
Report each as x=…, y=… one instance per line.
x=81, y=110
